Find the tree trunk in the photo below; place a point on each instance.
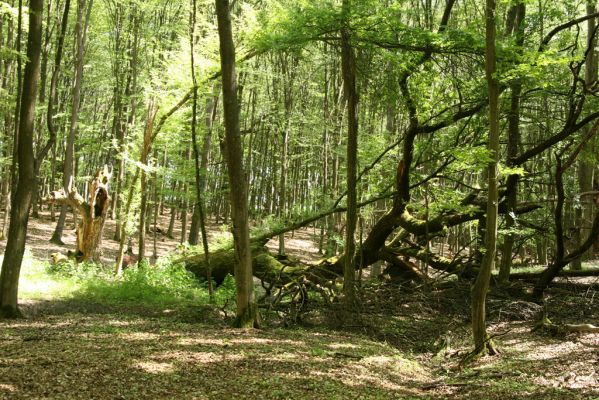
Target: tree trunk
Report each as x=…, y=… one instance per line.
x=349, y=87
x=283, y=181
x=584, y=211
x=512, y=152
x=124, y=223
x=195, y=218
x=19, y=94
x=146, y=146
x=27, y=180
x=482, y=342
x=6, y=187
x=247, y=311
x=92, y=212
x=184, y=202
x=80, y=33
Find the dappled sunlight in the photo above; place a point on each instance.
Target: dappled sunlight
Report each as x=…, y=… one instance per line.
x=5, y=387
x=198, y=357
x=394, y=363
x=155, y=367
x=551, y=351
x=38, y=325
x=357, y=377
x=46, y=289
x=579, y=375
x=261, y=341
x=118, y=322
x=186, y=341
x=342, y=346
x=139, y=336
x=283, y=356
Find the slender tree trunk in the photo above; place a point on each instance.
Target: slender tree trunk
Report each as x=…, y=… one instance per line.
x=118, y=128
x=184, y=202
x=283, y=182
x=349, y=87
x=200, y=165
x=512, y=153
x=325, y=156
x=42, y=99
x=482, y=341
x=17, y=124
x=171, y=224
x=121, y=125
x=27, y=180
x=69, y=160
x=124, y=223
x=195, y=219
x=147, y=144
x=584, y=213
x=288, y=76
x=247, y=311
x=6, y=187
x=155, y=213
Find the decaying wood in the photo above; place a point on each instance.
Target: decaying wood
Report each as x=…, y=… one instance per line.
x=93, y=213
x=397, y=254
x=534, y=276
x=557, y=329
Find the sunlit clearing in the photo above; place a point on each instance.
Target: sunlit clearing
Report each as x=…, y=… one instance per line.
x=36, y=284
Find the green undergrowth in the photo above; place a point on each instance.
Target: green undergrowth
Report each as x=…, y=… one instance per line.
x=163, y=284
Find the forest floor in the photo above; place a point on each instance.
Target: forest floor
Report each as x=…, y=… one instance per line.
x=404, y=341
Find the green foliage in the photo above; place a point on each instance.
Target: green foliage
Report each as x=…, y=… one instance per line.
x=71, y=269
x=163, y=284
x=167, y=284
x=225, y=294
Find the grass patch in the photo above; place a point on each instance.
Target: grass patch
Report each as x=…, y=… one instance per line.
x=36, y=283
x=164, y=284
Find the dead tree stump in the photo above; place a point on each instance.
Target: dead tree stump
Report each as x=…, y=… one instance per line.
x=93, y=213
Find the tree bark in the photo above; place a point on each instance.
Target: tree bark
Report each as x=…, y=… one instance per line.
x=584, y=211
x=93, y=213
x=27, y=180
x=6, y=187
x=512, y=150
x=247, y=312
x=145, y=151
x=195, y=218
x=349, y=86
x=80, y=33
x=482, y=342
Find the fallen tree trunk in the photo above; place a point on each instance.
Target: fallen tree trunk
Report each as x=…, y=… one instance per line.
x=372, y=249
x=269, y=269
x=266, y=267
x=534, y=276
x=93, y=213
x=557, y=329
